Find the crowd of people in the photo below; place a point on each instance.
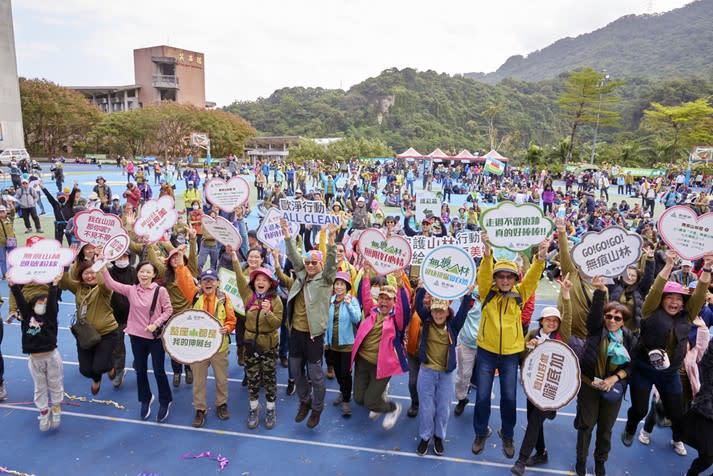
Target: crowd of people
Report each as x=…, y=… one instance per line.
x=322, y=311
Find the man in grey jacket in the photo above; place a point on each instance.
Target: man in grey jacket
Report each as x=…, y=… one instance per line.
x=307, y=311
x=27, y=198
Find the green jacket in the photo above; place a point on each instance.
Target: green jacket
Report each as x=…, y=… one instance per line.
x=98, y=300
x=269, y=325
x=318, y=290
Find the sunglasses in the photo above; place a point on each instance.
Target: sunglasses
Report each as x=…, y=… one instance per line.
x=505, y=276
x=609, y=317
x=312, y=263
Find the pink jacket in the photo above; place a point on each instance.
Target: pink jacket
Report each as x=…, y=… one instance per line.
x=140, y=305
x=392, y=358
x=694, y=355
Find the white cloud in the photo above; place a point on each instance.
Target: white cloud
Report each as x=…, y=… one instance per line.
x=253, y=48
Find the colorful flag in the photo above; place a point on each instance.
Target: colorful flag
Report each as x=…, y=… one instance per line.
x=494, y=166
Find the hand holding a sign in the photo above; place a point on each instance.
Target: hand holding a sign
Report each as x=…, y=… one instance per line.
x=542, y=249
x=487, y=250
x=285, y=228
x=130, y=218
x=668, y=267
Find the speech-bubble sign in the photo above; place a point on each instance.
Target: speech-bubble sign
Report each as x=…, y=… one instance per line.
x=227, y=195
x=607, y=252
x=96, y=227
x=516, y=227
x=222, y=230
x=39, y=263
x=550, y=375
x=228, y=283
x=309, y=212
x=156, y=217
x=689, y=235
x=427, y=204
x=116, y=247
x=192, y=336
x=385, y=255
x=269, y=232
x=447, y=272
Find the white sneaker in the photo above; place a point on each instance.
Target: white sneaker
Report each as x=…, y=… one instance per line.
x=374, y=415
x=391, y=417
x=56, y=416
x=644, y=437
x=679, y=448
x=44, y=421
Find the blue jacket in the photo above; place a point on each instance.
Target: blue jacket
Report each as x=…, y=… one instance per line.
x=469, y=332
x=349, y=316
x=453, y=324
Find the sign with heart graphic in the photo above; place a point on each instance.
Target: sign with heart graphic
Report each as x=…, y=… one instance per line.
x=222, y=230
x=227, y=195
x=384, y=255
x=156, y=217
x=689, y=235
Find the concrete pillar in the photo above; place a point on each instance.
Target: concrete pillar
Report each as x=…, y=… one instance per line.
x=11, y=132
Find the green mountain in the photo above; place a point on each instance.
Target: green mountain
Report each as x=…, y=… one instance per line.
x=678, y=43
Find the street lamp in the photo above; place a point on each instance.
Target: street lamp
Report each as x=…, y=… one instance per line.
x=605, y=78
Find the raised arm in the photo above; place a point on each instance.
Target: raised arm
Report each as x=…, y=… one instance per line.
x=292, y=253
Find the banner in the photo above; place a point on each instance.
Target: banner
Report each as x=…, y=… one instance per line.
x=516, y=227
x=222, y=230
x=689, y=235
x=309, y=212
x=227, y=195
x=96, y=227
x=228, y=283
x=468, y=240
x=269, y=232
x=156, y=218
x=550, y=375
x=608, y=252
x=192, y=336
x=447, y=272
x=385, y=255
x=40, y=263
x=427, y=204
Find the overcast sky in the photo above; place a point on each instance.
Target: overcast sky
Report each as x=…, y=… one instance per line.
x=254, y=47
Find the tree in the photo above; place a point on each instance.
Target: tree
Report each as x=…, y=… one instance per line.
x=681, y=126
x=54, y=118
x=586, y=100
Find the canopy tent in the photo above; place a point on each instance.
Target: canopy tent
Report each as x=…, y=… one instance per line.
x=493, y=154
x=438, y=154
x=411, y=153
x=465, y=155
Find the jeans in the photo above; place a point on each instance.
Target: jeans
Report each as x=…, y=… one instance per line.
x=435, y=392
x=3, y=263
x=203, y=254
x=485, y=367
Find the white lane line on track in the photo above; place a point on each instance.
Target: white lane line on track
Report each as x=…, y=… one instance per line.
x=281, y=439
x=331, y=390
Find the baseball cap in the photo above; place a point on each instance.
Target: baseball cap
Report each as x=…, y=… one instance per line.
x=437, y=303
x=550, y=311
x=390, y=291
x=209, y=274
x=685, y=262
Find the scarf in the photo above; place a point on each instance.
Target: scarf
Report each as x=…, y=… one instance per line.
x=616, y=350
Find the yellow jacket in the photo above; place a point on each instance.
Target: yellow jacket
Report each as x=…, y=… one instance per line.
x=500, y=328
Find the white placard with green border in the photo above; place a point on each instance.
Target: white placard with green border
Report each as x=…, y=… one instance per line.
x=516, y=227
x=192, y=336
x=447, y=272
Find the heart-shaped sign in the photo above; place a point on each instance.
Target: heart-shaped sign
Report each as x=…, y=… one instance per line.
x=227, y=195
x=222, y=230
x=384, y=255
x=156, y=217
x=689, y=235
x=116, y=247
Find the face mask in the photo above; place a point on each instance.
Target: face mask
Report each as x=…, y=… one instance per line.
x=196, y=207
x=40, y=309
x=121, y=264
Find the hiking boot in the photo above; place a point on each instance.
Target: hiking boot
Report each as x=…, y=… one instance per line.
x=391, y=417
x=176, y=380
x=518, y=468
x=599, y=469
x=303, y=411
x=56, y=418
x=189, y=376
x=290, y=387
x=479, y=442
x=44, y=420
x=460, y=407
x=346, y=410
x=438, y=446
x=254, y=417
x=313, y=419
x=537, y=459
x=412, y=410
x=627, y=438
x=284, y=362
x=163, y=412
x=199, y=419
x=119, y=379
x=111, y=374
x=338, y=400
x=422, y=448
x=679, y=448
x=644, y=437
x=146, y=409
x=508, y=445
x=270, y=418
x=330, y=372
x=580, y=469
x=223, y=412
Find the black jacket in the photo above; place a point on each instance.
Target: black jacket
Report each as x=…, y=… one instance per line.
x=39, y=333
x=119, y=302
x=63, y=212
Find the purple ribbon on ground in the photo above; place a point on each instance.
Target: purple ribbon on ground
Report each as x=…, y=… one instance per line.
x=222, y=460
